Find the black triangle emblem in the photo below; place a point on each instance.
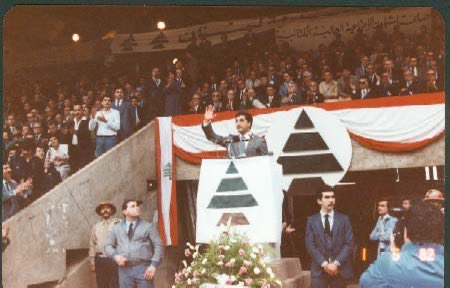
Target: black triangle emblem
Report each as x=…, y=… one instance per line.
x=304, y=121
x=232, y=185
x=232, y=169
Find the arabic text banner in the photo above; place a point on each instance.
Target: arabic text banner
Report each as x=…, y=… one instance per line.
x=306, y=34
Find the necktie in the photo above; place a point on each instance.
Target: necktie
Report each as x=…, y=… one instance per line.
x=231, y=105
x=130, y=231
x=327, y=225
x=8, y=187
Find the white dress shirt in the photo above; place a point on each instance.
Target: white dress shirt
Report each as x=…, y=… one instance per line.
x=330, y=218
x=111, y=126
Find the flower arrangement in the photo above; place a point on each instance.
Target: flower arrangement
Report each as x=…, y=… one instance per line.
x=230, y=260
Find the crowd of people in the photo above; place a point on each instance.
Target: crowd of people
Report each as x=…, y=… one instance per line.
x=54, y=128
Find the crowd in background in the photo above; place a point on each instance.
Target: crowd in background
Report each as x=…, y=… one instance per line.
x=48, y=132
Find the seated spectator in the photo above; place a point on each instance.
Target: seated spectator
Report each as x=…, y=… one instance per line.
x=344, y=84
x=251, y=101
x=231, y=103
x=216, y=101
x=195, y=105
x=58, y=155
x=271, y=99
x=420, y=262
x=409, y=85
x=431, y=85
x=386, y=87
x=252, y=81
x=293, y=97
x=313, y=95
x=328, y=88
x=363, y=92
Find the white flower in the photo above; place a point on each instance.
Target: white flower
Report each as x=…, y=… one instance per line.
x=269, y=270
x=195, y=255
x=278, y=282
x=253, y=255
x=204, y=261
x=255, y=250
x=256, y=271
x=271, y=275
x=189, y=282
x=203, y=271
x=189, y=269
x=220, y=263
x=227, y=247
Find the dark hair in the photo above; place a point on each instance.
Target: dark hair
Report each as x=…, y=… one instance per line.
x=126, y=201
x=107, y=96
x=382, y=200
x=425, y=224
x=247, y=116
x=398, y=233
x=323, y=188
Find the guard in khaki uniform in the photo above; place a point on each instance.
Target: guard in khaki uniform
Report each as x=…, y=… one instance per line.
x=105, y=268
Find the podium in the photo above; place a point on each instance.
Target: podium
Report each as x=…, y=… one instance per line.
x=244, y=193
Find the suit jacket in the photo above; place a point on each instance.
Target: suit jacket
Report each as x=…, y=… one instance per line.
x=140, y=113
x=83, y=135
x=358, y=94
x=414, y=88
x=407, y=270
x=145, y=244
x=342, y=244
x=11, y=204
x=126, y=128
x=256, y=146
x=154, y=100
x=297, y=99
x=275, y=101
x=312, y=98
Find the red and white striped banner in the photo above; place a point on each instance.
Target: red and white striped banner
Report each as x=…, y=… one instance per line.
x=391, y=124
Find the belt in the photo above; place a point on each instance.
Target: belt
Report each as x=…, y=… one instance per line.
x=130, y=263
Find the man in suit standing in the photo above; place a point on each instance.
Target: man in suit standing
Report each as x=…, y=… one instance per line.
x=329, y=241
x=137, y=114
x=81, y=140
x=13, y=193
x=136, y=247
x=246, y=144
x=154, y=101
x=124, y=108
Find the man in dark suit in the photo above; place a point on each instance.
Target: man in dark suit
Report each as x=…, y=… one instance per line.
x=124, y=108
x=329, y=241
x=246, y=144
x=231, y=103
x=154, y=100
x=82, y=150
x=271, y=99
x=409, y=85
x=363, y=92
x=137, y=114
x=387, y=87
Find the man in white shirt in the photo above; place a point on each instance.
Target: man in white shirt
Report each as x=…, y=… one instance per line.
x=107, y=122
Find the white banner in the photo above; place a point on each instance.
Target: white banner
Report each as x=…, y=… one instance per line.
x=165, y=171
x=248, y=190
x=308, y=34
x=176, y=39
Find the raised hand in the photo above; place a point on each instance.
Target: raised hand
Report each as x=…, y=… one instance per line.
x=209, y=114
